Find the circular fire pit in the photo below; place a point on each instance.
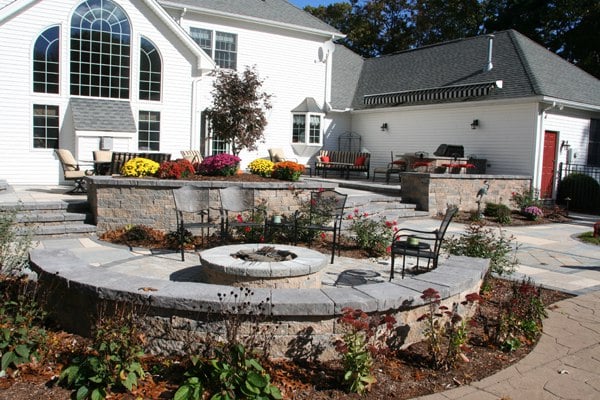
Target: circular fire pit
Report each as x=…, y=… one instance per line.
x=250, y=265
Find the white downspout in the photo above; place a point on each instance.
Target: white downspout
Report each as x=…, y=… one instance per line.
x=195, y=122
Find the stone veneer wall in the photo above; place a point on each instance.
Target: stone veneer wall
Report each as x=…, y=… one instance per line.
x=292, y=337
x=175, y=316
x=434, y=192
x=118, y=201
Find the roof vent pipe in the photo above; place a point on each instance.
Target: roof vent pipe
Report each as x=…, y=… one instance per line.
x=489, y=65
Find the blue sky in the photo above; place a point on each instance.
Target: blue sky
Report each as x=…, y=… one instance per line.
x=314, y=3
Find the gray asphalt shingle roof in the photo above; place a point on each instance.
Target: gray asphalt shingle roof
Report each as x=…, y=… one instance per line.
x=526, y=69
x=347, y=67
x=92, y=114
x=279, y=11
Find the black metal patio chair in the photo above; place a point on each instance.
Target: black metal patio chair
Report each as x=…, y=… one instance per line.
x=192, y=206
x=325, y=214
x=420, y=244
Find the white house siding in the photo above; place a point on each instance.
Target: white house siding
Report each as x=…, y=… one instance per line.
x=287, y=62
x=505, y=136
x=20, y=163
x=572, y=127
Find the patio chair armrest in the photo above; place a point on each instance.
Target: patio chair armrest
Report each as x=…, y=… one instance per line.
x=411, y=232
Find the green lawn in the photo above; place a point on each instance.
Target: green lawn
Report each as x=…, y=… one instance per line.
x=588, y=237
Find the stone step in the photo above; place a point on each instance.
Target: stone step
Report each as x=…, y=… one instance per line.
x=52, y=218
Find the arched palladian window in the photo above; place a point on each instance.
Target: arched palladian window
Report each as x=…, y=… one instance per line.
x=46, y=61
x=150, y=71
x=100, y=50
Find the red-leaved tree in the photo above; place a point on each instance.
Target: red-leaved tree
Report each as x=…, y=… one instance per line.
x=237, y=114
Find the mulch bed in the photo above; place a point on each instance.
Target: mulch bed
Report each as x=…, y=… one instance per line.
x=403, y=375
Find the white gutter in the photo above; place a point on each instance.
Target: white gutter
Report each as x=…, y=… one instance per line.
x=568, y=103
x=10, y=9
x=255, y=20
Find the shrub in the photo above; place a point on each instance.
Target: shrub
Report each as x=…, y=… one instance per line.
x=441, y=324
x=114, y=362
x=21, y=331
x=526, y=198
x=14, y=247
x=219, y=165
x=363, y=340
x=287, y=171
x=582, y=190
x=178, y=169
x=231, y=369
x=261, y=167
x=520, y=318
x=479, y=241
x=532, y=213
x=251, y=234
x=371, y=235
x=500, y=212
x=138, y=167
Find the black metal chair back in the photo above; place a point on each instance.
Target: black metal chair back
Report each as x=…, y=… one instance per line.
x=192, y=207
x=326, y=214
x=241, y=202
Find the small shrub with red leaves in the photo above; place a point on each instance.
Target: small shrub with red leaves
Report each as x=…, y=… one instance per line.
x=365, y=339
x=445, y=328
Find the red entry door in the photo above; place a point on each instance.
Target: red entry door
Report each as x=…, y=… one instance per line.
x=548, y=164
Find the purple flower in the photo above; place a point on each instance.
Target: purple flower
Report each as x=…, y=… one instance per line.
x=220, y=164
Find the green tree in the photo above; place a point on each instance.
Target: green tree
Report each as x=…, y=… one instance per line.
x=377, y=27
x=440, y=20
x=372, y=27
x=237, y=114
x=567, y=27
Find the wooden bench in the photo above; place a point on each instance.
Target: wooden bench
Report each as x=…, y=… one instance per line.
x=120, y=158
x=343, y=161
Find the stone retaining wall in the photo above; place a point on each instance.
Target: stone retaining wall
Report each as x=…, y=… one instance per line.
x=118, y=201
x=175, y=316
x=434, y=192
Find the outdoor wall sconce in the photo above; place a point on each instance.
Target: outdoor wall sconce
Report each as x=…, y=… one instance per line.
x=565, y=145
x=475, y=124
x=384, y=127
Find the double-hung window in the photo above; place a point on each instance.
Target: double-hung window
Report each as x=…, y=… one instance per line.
x=149, y=130
x=306, y=128
x=220, y=46
x=45, y=126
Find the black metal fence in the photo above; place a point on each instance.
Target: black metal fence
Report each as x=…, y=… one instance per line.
x=582, y=194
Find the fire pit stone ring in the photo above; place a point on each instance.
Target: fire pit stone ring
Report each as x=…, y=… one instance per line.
x=221, y=265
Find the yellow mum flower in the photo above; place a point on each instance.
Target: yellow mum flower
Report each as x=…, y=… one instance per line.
x=261, y=167
x=139, y=166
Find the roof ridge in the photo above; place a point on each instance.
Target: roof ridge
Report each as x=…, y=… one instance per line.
x=512, y=35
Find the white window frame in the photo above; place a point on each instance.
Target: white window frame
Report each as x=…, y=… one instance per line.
x=212, y=51
x=307, y=138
